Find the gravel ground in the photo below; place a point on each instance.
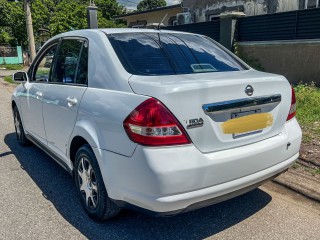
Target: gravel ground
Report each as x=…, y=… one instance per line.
x=10, y=72
x=39, y=201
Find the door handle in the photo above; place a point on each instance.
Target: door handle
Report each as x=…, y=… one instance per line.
x=72, y=101
x=39, y=94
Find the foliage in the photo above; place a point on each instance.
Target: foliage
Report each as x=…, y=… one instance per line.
x=68, y=15
x=5, y=36
x=150, y=4
x=109, y=8
x=12, y=24
x=308, y=98
x=56, y=16
x=17, y=23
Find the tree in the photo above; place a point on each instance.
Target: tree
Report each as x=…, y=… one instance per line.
x=150, y=4
x=71, y=15
x=12, y=23
x=55, y=15
x=68, y=15
x=109, y=8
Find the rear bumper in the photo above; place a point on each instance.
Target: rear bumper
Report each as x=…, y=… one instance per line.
x=209, y=196
x=196, y=205
x=170, y=180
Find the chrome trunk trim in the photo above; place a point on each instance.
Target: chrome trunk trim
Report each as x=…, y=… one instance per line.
x=240, y=103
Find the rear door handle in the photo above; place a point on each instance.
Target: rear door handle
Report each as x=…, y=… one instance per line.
x=39, y=94
x=72, y=101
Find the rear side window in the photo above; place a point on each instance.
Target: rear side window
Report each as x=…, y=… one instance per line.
x=169, y=54
x=82, y=72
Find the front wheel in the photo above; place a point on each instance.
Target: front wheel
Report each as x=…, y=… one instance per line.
x=21, y=137
x=91, y=188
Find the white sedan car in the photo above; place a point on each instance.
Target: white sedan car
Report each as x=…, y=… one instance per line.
x=159, y=121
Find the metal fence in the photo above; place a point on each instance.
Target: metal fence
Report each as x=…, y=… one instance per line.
x=210, y=29
x=301, y=24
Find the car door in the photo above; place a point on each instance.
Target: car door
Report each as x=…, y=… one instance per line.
x=31, y=97
x=64, y=92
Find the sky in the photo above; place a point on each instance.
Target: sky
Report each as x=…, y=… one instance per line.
x=132, y=4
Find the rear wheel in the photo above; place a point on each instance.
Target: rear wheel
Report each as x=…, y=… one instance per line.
x=21, y=137
x=91, y=188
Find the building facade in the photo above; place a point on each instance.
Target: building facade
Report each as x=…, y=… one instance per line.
x=208, y=10
x=152, y=17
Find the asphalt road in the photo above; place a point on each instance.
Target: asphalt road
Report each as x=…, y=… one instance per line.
x=38, y=201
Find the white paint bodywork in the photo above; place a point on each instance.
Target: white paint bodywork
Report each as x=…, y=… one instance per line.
x=163, y=179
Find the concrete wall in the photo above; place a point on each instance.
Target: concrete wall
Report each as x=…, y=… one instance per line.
x=298, y=61
x=153, y=17
x=13, y=60
x=251, y=7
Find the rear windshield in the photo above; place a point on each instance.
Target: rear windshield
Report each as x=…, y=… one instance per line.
x=170, y=54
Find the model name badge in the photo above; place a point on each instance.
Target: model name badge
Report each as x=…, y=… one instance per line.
x=196, y=122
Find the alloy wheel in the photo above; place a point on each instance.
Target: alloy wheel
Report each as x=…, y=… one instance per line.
x=88, y=183
x=17, y=125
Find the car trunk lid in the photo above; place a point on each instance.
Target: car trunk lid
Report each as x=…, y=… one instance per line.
x=222, y=110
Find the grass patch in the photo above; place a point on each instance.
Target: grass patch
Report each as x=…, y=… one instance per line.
x=308, y=110
x=317, y=171
x=295, y=166
x=308, y=99
x=9, y=79
x=12, y=66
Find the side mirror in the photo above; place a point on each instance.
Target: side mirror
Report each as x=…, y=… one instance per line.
x=20, y=77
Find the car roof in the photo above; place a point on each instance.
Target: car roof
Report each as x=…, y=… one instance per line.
x=88, y=32
x=133, y=30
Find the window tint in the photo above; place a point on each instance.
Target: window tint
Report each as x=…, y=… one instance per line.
x=167, y=54
x=140, y=54
x=209, y=56
x=82, y=72
x=44, y=65
x=67, y=61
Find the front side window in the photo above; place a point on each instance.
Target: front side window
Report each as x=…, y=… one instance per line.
x=68, y=62
x=170, y=54
x=43, y=67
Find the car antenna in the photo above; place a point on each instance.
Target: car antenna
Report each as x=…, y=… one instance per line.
x=162, y=21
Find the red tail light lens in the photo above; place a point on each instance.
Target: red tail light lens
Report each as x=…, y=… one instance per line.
x=152, y=124
x=292, y=111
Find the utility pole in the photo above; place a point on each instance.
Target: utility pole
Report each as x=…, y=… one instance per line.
x=32, y=47
x=92, y=15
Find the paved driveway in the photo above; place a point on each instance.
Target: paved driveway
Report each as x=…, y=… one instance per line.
x=38, y=201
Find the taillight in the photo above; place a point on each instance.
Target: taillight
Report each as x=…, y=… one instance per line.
x=152, y=124
x=292, y=111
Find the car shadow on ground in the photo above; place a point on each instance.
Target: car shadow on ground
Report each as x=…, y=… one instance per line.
x=58, y=187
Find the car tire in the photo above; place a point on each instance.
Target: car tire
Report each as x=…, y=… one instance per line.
x=21, y=137
x=91, y=188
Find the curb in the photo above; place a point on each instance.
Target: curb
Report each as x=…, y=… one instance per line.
x=301, y=181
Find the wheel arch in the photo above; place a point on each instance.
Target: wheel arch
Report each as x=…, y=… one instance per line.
x=13, y=104
x=83, y=133
x=76, y=143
